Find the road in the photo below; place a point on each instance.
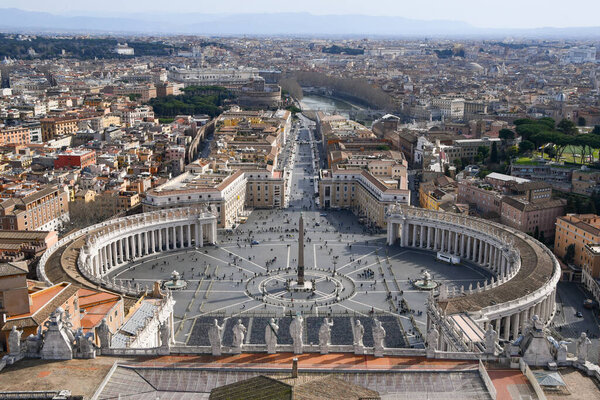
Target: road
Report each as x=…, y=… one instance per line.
x=569, y=300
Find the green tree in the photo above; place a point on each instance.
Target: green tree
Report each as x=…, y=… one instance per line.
x=569, y=254
x=567, y=127
x=536, y=232
x=512, y=151
x=581, y=121
x=483, y=151
x=526, y=146
x=494, y=154
x=596, y=130
x=506, y=134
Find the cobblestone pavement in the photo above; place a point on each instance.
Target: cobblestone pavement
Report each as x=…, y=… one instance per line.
x=370, y=277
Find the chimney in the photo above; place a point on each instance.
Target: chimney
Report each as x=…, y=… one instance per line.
x=295, y=367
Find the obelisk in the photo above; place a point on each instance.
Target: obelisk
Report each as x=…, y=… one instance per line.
x=301, y=252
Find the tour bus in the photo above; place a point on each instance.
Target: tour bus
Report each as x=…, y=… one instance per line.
x=447, y=258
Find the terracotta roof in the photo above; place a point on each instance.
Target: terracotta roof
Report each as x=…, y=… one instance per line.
x=44, y=303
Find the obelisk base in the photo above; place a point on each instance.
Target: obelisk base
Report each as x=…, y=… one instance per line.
x=294, y=286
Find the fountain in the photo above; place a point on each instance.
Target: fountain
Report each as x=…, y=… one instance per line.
x=425, y=283
x=176, y=283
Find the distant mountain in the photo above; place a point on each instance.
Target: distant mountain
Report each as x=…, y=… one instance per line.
x=303, y=24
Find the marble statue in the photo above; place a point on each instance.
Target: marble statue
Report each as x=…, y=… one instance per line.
x=358, y=331
x=103, y=332
x=561, y=352
x=491, y=338
x=239, y=332
x=297, y=331
x=215, y=334
x=83, y=347
x=537, y=324
x=325, y=335
x=165, y=334
x=14, y=341
x=433, y=337
x=583, y=345
x=271, y=331
x=378, y=337
x=33, y=343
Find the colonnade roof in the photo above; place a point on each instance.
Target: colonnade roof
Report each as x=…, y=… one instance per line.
x=537, y=267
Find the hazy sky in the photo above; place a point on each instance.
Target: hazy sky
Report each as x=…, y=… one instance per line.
x=481, y=13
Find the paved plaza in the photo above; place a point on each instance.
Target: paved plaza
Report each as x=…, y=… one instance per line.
x=354, y=272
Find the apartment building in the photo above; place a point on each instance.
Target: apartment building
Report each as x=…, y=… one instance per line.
x=265, y=189
x=437, y=192
x=14, y=135
x=44, y=209
x=585, y=181
x=579, y=230
x=53, y=127
x=223, y=193
x=75, y=159
x=358, y=190
x=582, y=231
x=449, y=107
x=522, y=204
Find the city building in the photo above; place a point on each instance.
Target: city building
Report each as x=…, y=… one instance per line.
x=44, y=209
x=360, y=191
x=223, y=193
x=75, y=159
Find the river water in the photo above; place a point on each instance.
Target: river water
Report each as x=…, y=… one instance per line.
x=321, y=103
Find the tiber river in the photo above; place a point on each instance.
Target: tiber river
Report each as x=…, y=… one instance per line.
x=326, y=104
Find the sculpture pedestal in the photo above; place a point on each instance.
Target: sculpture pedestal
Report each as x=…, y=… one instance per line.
x=359, y=349
x=296, y=287
x=324, y=349
x=378, y=352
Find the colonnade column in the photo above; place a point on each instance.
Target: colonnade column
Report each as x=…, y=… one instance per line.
x=414, y=235
x=515, y=325
x=201, y=235
x=429, y=237
x=468, y=253
x=443, y=243
x=422, y=236
x=506, y=327
x=456, y=250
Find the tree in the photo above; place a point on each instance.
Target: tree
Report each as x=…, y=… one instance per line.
x=596, y=130
x=569, y=254
x=447, y=170
x=494, y=154
x=567, y=127
x=526, y=146
x=512, y=151
x=536, y=232
x=581, y=121
x=483, y=152
x=506, y=134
